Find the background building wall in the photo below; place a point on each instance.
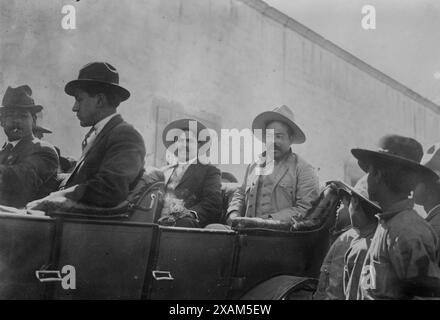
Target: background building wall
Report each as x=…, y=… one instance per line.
x=222, y=61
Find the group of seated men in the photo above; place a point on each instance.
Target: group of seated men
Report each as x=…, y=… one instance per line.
x=388, y=249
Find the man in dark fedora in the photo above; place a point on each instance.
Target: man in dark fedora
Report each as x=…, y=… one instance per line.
x=28, y=166
x=427, y=192
x=113, y=153
x=291, y=186
x=402, y=260
x=192, y=188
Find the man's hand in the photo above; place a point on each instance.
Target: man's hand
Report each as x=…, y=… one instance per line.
x=234, y=214
x=50, y=203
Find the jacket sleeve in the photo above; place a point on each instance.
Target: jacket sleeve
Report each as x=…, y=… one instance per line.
x=209, y=207
x=307, y=190
x=31, y=173
x=238, y=201
x=122, y=163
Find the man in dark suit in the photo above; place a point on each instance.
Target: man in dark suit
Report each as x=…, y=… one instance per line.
x=28, y=166
x=66, y=163
x=113, y=153
x=193, y=189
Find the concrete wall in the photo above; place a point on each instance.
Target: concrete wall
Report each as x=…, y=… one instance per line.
x=221, y=60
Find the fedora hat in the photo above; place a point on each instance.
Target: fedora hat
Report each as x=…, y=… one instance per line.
x=182, y=124
x=395, y=150
x=283, y=114
x=98, y=73
x=20, y=98
x=360, y=192
x=431, y=159
x=41, y=129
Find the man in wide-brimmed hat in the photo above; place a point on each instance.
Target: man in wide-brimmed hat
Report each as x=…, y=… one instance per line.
x=290, y=187
x=113, y=152
x=193, y=189
x=427, y=193
x=402, y=260
x=28, y=166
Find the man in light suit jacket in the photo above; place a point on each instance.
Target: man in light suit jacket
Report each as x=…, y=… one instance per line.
x=113, y=153
x=193, y=189
x=291, y=186
x=28, y=166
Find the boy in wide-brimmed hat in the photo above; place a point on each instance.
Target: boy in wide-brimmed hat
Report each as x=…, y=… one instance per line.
x=113, y=152
x=192, y=188
x=28, y=166
x=292, y=185
x=427, y=193
x=402, y=261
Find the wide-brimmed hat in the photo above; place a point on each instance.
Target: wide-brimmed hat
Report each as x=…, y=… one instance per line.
x=361, y=193
x=395, y=150
x=283, y=114
x=98, y=73
x=183, y=124
x=20, y=98
x=431, y=159
x=41, y=129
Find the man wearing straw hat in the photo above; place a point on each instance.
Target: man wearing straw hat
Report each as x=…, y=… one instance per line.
x=402, y=261
x=291, y=186
x=28, y=166
x=113, y=153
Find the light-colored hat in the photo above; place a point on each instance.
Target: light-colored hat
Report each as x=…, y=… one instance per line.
x=360, y=191
x=431, y=159
x=283, y=114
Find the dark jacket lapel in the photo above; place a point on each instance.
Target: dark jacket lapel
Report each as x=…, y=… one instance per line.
x=109, y=126
x=188, y=173
x=17, y=150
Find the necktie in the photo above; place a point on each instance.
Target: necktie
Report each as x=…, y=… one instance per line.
x=86, y=138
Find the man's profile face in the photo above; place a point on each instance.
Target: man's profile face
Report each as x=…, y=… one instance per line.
x=85, y=108
x=17, y=123
x=281, y=139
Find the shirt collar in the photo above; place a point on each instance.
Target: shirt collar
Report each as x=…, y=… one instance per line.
x=101, y=124
x=397, y=207
x=14, y=143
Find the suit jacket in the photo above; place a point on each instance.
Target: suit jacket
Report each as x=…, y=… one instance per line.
x=296, y=186
x=200, y=188
x=28, y=172
x=110, y=168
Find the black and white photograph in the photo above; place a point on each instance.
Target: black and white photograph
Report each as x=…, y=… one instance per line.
x=220, y=154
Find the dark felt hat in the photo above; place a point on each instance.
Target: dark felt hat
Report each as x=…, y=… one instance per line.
x=395, y=150
x=183, y=124
x=98, y=73
x=20, y=98
x=283, y=114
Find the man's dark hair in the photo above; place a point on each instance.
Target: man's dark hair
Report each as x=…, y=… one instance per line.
x=113, y=98
x=400, y=180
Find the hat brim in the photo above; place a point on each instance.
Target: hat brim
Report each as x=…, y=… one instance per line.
x=264, y=118
x=71, y=86
x=342, y=186
x=42, y=129
x=381, y=159
x=180, y=124
x=32, y=108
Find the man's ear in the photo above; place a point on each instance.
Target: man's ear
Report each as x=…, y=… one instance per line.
x=101, y=100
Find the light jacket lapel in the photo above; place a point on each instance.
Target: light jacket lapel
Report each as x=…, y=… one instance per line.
x=167, y=172
x=282, y=170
